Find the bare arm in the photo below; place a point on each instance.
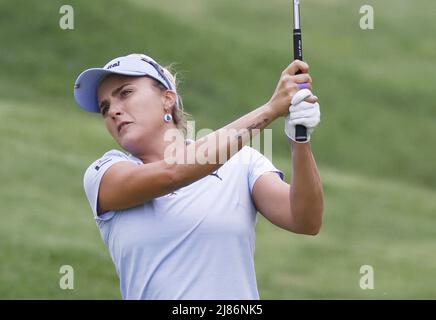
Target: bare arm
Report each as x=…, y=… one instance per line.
x=125, y=185
x=306, y=194
x=297, y=207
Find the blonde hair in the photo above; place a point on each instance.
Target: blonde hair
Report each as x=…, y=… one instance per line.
x=180, y=117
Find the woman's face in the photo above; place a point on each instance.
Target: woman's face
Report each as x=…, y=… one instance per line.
x=133, y=110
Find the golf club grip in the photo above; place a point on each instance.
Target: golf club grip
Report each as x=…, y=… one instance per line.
x=298, y=45
x=300, y=131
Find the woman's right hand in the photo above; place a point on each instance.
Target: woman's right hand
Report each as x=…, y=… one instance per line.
x=287, y=87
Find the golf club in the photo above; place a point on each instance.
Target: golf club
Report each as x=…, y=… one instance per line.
x=300, y=131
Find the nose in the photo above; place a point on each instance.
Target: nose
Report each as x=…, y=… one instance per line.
x=115, y=110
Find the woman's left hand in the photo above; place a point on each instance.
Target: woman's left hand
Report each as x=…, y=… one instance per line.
x=302, y=113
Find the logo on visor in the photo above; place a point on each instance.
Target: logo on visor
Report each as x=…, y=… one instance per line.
x=116, y=64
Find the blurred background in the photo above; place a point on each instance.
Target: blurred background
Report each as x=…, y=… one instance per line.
x=375, y=146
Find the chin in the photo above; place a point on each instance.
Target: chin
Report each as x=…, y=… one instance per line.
x=133, y=142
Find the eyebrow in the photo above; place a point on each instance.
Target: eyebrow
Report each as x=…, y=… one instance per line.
x=114, y=93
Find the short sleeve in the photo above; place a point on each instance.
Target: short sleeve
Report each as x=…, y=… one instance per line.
x=92, y=178
x=258, y=164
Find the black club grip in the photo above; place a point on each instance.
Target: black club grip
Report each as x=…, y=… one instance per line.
x=300, y=131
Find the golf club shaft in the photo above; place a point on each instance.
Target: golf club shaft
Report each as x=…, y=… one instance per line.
x=300, y=131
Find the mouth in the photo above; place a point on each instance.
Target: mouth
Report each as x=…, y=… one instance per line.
x=122, y=125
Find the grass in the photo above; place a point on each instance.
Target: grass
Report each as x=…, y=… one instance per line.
x=373, y=147
x=368, y=221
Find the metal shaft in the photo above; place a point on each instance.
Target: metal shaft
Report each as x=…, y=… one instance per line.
x=296, y=14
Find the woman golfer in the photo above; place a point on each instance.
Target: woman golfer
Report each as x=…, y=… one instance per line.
x=179, y=229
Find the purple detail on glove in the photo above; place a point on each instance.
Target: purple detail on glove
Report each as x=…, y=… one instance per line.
x=302, y=86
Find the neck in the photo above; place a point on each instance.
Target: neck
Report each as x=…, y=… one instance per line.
x=158, y=149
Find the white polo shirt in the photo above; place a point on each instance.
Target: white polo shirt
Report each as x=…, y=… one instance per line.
x=195, y=243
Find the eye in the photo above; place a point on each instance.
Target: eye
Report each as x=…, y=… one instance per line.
x=126, y=92
x=104, y=109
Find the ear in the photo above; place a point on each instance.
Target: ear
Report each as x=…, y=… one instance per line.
x=170, y=99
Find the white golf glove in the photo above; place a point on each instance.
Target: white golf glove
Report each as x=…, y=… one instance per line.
x=302, y=112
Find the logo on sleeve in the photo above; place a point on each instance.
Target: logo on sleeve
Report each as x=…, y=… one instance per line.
x=101, y=163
